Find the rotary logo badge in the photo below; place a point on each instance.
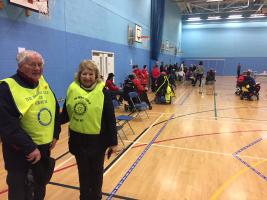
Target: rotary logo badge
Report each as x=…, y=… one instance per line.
x=80, y=108
x=45, y=116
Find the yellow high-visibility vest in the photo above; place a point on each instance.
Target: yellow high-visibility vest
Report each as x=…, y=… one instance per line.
x=37, y=109
x=85, y=108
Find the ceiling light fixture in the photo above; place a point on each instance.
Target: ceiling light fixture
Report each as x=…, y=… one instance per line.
x=235, y=17
x=208, y=1
x=214, y=18
x=257, y=16
x=194, y=19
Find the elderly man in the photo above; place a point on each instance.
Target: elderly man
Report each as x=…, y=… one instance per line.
x=29, y=128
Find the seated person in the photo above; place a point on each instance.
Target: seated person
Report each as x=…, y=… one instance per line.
x=141, y=90
x=163, y=86
x=249, y=80
x=190, y=76
x=180, y=75
x=128, y=86
x=210, y=75
x=114, y=90
x=240, y=80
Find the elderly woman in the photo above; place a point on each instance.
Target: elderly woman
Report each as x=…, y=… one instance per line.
x=92, y=127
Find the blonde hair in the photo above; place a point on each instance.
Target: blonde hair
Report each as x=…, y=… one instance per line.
x=90, y=65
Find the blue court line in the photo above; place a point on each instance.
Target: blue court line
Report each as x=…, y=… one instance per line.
x=137, y=161
x=245, y=163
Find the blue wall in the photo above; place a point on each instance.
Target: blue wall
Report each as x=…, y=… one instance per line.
x=73, y=30
x=233, y=43
x=172, y=32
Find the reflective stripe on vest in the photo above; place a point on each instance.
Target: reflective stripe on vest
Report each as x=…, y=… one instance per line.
x=37, y=109
x=85, y=108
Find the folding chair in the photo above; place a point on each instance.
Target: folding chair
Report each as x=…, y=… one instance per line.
x=119, y=128
x=138, y=105
x=123, y=119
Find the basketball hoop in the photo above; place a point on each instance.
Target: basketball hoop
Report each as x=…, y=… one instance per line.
x=145, y=39
x=44, y=7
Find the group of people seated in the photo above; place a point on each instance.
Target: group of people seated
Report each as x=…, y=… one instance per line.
x=196, y=72
x=135, y=82
x=163, y=82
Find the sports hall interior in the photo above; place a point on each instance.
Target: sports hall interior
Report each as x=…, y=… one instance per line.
x=207, y=144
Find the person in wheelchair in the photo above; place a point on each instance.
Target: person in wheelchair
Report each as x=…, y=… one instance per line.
x=239, y=83
x=250, y=87
x=210, y=76
x=164, y=90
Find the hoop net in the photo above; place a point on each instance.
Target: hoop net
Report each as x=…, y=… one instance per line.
x=145, y=41
x=45, y=8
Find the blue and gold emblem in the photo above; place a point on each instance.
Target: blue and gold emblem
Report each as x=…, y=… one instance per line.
x=45, y=116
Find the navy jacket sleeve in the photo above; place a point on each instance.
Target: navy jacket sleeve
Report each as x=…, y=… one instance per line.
x=57, y=127
x=10, y=131
x=108, y=120
x=64, y=118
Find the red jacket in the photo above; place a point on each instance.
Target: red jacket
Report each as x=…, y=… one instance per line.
x=155, y=72
x=138, y=73
x=138, y=85
x=145, y=79
x=111, y=86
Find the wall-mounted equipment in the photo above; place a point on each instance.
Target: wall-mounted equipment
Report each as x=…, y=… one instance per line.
x=130, y=35
x=40, y=6
x=138, y=33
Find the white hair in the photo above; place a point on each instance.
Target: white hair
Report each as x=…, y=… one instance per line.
x=23, y=56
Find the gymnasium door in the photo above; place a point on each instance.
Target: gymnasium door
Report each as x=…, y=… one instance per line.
x=104, y=61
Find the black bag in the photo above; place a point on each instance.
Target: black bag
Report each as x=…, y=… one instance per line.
x=43, y=170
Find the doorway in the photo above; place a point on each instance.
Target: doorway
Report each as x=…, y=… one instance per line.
x=104, y=62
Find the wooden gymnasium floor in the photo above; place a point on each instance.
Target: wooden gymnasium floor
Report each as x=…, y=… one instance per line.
x=202, y=147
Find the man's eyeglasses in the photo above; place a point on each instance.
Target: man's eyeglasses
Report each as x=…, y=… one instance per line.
x=35, y=65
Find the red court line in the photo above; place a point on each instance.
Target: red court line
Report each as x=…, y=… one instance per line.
x=58, y=170
x=198, y=135
x=190, y=136
x=63, y=168
x=3, y=191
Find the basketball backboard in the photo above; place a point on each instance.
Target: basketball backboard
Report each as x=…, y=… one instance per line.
x=138, y=33
x=40, y=6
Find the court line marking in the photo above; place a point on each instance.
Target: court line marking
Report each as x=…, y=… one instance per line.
x=143, y=144
x=248, y=167
x=236, y=155
x=61, y=164
x=57, y=167
x=180, y=97
x=70, y=158
x=221, y=189
x=114, y=191
x=202, y=151
x=185, y=97
x=223, y=119
x=151, y=126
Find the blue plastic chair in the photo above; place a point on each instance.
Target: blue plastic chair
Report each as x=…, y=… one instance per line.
x=138, y=105
x=123, y=119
